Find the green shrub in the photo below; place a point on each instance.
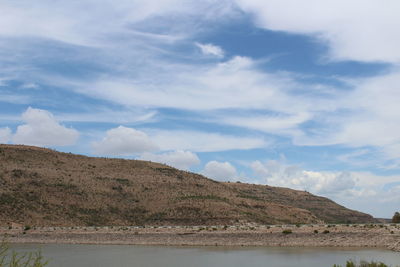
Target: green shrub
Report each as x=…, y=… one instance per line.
x=363, y=264
x=286, y=231
x=396, y=217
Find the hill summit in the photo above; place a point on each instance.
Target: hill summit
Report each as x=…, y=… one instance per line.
x=48, y=188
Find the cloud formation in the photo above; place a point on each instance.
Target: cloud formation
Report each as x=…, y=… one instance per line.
x=70, y=22
x=367, y=118
x=211, y=50
x=292, y=176
x=124, y=141
x=189, y=87
x=5, y=135
x=220, y=171
x=199, y=141
x=42, y=129
x=179, y=159
x=354, y=30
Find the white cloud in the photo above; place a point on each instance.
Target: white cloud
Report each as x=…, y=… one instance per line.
x=124, y=141
x=109, y=115
x=134, y=32
x=42, y=129
x=71, y=23
x=292, y=176
x=235, y=83
x=221, y=171
x=127, y=141
x=354, y=30
x=282, y=124
x=368, y=118
x=5, y=135
x=211, y=50
x=179, y=159
x=203, y=141
x=357, y=190
x=15, y=98
x=29, y=85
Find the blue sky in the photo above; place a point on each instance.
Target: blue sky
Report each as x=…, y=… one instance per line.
x=285, y=93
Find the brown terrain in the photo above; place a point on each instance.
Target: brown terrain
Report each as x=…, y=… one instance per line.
x=42, y=187
x=384, y=236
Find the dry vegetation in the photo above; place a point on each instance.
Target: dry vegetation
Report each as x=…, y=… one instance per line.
x=44, y=187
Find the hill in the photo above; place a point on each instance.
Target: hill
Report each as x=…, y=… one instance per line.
x=44, y=187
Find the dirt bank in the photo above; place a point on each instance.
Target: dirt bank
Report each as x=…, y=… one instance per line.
x=346, y=236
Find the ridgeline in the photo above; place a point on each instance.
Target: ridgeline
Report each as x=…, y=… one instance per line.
x=42, y=187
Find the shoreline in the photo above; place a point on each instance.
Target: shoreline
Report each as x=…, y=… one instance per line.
x=329, y=236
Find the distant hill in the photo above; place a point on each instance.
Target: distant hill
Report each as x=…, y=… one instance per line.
x=43, y=187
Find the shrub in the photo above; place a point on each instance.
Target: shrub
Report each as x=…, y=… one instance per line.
x=396, y=217
x=362, y=264
x=315, y=231
x=325, y=232
x=286, y=231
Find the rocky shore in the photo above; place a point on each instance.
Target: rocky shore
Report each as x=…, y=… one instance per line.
x=346, y=236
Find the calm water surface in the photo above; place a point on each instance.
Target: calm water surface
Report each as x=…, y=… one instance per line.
x=156, y=256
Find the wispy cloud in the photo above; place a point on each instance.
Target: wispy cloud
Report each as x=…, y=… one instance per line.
x=211, y=50
x=199, y=141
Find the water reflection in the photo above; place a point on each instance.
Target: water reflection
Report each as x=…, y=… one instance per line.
x=158, y=256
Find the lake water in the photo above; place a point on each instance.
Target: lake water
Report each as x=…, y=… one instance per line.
x=159, y=256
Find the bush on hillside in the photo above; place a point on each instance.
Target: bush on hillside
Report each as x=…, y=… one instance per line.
x=396, y=217
x=363, y=264
x=287, y=231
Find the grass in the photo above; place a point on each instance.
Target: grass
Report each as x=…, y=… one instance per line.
x=10, y=258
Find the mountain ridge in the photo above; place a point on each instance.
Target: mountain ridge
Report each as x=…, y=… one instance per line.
x=39, y=186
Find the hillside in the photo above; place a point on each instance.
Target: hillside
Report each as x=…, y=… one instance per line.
x=44, y=187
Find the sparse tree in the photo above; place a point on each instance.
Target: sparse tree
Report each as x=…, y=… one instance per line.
x=396, y=217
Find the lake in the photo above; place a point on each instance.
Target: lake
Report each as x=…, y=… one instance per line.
x=159, y=256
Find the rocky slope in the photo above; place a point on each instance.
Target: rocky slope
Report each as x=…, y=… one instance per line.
x=43, y=187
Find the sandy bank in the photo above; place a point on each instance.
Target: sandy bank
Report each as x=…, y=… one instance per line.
x=363, y=236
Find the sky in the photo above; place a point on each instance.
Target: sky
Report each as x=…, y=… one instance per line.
x=300, y=94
